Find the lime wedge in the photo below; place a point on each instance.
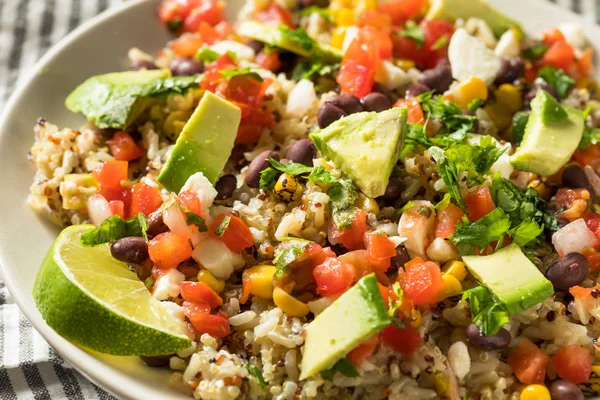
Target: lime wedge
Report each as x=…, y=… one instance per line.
x=95, y=301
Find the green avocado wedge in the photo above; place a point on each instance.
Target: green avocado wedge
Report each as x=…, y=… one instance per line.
x=118, y=99
x=205, y=143
x=365, y=146
x=95, y=301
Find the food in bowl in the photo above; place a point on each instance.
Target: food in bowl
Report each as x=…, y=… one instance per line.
x=333, y=199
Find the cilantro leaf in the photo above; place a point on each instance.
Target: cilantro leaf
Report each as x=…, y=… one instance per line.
x=206, y=55
x=557, y=79
x=413, y=31
x=416, y=136
x=535, y=52
x=395, y=304
x=343, y=366
x=480, y=233
x=526, y=232
x=310, y=69
x=519, y=123
x=256, y=373
x=231, y=73
x=322, y=11
x=115, y=228
x=194, y=219
x=286, y=253
x=590, y=136
x=299, y=36
x=486, y=312
x=319, y=174
x=474, y=104
x=291, y=168
x=222, y=227
x=342, y=196
x=449, y=175
x=448, y=113
x=268, y=178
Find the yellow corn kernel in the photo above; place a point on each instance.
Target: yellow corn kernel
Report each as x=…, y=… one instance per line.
x=175, y=122
x=469, y=90
x=442, y=384
x=261, y=280
x=450, y=287
x=510, y=97
x=289, y=304
x=215, y=284
x=362, y=5
x=588, y=250
x=456, y=269
x=543, y=190
x=287, y=188
x=588, y=83
x=596, y=369
x=535, y=392
x=416, y=319
x=368, y=204
x=405, y=64
x=345, y=17
x=337, y=39
x=501, y=116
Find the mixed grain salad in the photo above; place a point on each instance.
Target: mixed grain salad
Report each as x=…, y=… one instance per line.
x=342, y=199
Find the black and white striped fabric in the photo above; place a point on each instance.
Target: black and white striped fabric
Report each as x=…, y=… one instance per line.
x=29, y=368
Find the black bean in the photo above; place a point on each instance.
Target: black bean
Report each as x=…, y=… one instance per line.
x=511, y=69
x=439, y=78
x=132, y=249
x=415, y=90
x=498, y=341
x=530, y=95
x=142, y=64
x=156, y=226
x=256, y=45
x=303, y=152
x=316, y=3
x=574, y=177
x=225, y=186
x=257, y=166
x=379, y=88
x=156, y=361
x=185, y=66
x=569, y=271
x=393, y=189
x=328, y=114
x=400, y=258
x=376, y=102
x=563, y=389
x=347, y=102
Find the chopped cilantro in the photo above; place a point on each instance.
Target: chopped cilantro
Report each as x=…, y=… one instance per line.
x=395, y=304
x=449, y=114
x=416, y=136
x=474, y=104
x=519, y=123
x=444, y=202
x=195, y=219
x=286, y=253
x=115, y=228
x=206, y=55
x=526, y=232
x=256, y=373
x=441, y=42
x=343, y=195
x=310, y=69
x=535, y=52
x=343, y=366
x=480, y=233
x=299, y=36
x=556, y=78
x=413, y=31
x=590, y=136
x=222, y=227
x=319, y=174
x=230, y=73
x=291, y=168
x=322, y=11
x=488, y=314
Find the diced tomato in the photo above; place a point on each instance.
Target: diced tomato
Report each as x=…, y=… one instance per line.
x=379, y=39
x=376, y=19
x=123, y=147
x=447, y=219
x=363, y=350
x=401, y=11
x=531, y=72
x=566, y=197
x=406, y=341
x=224, y=30
x=269, y=60
x=559, y=55
x=584, y=65
x=117, y=207
x=275, y=15
x=144, y=199
x=208, y=33
x=589, y=156
x=109, y=176
x=352, y=238
x=333, y=277
x=592, y=220
x=380, y=250
x=190, y=201
x=358, y=259
x=406, y=48
x=528, y=362
x=415, y=112
x=216, y=325
x=200, y=292
x=357, y=73
x=479, y=203
x=245, y=90
x=573, y=363
x=437, y=36
x=187, y=45
x=236, y=235
x=594, y=261
x=422, y=282
x=167, y=250
x=551, y=36
x=208, y=11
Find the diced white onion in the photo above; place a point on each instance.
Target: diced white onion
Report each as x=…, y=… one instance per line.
x=441, y=251
x=214, y=255
x=175, y=219
x=574, y=237
x=301, y=99
x=98, y=209
x=417, y=225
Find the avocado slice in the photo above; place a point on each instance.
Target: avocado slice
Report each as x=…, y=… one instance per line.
x=451, y=10
x=366, y=146
x=117, y=99
x=205, y=143
x=552, y=135
x=276, y=36
x=355, y=316
x=511, y=278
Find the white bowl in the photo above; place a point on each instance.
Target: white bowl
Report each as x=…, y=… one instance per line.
x=100, y=46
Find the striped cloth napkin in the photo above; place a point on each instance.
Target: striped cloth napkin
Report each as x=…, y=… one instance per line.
x=29, y=368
